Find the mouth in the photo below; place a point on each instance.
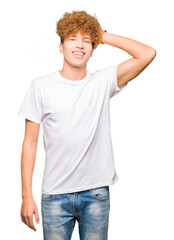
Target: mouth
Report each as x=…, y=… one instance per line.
x=78, y=54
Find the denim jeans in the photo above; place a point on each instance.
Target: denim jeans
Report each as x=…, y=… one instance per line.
x=90, y=208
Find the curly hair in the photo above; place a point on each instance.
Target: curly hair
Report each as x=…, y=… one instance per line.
x=78, y=21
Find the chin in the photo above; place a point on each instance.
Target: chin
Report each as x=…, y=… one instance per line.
x=79, y=65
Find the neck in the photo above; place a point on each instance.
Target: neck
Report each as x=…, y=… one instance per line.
x=73, y=73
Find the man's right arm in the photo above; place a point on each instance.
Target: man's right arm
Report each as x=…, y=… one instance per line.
x=28, y=157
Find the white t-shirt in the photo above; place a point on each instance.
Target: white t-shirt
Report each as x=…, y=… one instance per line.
x=76, y=128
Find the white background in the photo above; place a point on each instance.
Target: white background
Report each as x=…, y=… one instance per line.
x=142, y=201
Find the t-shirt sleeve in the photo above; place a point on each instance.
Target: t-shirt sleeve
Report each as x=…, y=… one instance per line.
x=111, y=76
x=31, y=108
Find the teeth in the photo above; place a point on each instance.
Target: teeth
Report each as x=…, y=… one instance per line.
x=78, y=53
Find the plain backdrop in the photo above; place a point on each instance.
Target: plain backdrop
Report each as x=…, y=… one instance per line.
x=142, y=200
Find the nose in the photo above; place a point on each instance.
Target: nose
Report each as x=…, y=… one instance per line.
x=79, y=43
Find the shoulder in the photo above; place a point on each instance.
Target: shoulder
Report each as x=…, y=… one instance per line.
x=106, y=73
x=106, y=70
x=43, y=80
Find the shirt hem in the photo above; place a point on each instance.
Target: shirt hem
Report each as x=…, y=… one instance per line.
x=84, y=188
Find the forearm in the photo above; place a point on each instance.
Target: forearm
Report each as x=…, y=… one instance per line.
x=134, y=48
x=27, y=167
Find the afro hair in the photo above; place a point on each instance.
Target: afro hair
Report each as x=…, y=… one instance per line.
x=78, y=21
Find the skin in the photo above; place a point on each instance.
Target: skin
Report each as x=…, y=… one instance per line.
x=29, y=147
x=142, y=56
x=75, y=69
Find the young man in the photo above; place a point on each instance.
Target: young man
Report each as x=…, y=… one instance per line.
x=73, y=105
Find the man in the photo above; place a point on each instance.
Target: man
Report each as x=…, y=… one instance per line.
x=73, y=105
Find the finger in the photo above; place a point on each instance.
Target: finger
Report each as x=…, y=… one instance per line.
x=31, y=224
x=25, y=220
x=36, y=216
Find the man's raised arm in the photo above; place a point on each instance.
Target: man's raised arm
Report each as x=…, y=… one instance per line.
x=142, y=56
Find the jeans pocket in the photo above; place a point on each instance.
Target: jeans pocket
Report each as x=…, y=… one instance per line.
x=47, y=197
x=101, y=193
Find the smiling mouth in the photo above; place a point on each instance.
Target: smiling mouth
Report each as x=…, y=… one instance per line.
x=78, y=54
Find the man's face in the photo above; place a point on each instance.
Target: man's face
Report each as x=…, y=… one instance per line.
x=77, y=50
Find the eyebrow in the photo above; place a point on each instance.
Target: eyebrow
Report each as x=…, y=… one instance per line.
x=83, y=37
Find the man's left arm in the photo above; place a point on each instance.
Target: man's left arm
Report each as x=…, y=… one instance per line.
x=142, y=56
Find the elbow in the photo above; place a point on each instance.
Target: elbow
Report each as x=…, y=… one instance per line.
x=152, y=54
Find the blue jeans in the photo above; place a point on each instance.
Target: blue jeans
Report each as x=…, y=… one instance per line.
x=90, y=208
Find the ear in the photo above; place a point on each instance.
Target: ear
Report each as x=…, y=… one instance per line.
x=61, y=48
x=92, y=52
x=96, y=45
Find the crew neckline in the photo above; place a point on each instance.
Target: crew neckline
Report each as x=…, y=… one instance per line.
x=73, y=81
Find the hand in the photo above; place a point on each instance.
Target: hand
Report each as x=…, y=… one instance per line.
x=29, y=208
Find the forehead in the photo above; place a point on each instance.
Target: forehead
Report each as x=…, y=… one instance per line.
x=80, y=35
